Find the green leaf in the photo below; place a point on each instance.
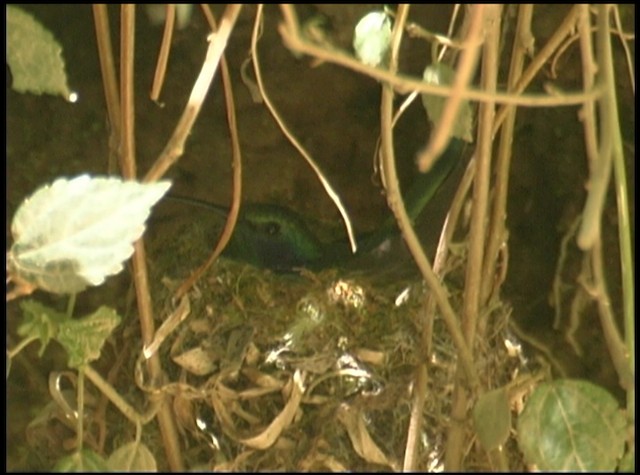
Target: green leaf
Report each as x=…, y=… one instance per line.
x=492, y=418
x=372, y=38
x=83, y=339
x=571, y=425
x=84, y=461
x=34, y=56
x=40, y=321
x=133, y=457
x=76, y=232
x=440, y=73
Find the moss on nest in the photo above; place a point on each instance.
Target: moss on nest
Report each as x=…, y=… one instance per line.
x=344, y=333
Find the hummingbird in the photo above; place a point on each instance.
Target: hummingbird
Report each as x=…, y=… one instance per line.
x=277, y=238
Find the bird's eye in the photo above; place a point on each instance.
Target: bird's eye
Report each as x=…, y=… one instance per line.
x=272, y=228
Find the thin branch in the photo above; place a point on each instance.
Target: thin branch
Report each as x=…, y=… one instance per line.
x=623, y=40
x=163, y=55
x=127, y=117
x=605, y=61
x=123, y=406
x=441, y=135
x=293, y=40
x=236, y=167
x=80, y=409
x=558, y=285
x=417, y=417
x=175, y=146
x=394, y=200
x=615, y=343
x=285, y=130
x=540, y=59
x=497, y=232
x=477, y=234
x=600, y=168
x=140, y=276
x=109, y=80
x=589, y=70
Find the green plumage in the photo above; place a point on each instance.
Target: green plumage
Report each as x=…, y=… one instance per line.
x=273, y=237
x=277, y=238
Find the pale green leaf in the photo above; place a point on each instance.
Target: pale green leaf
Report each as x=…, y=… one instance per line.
x=492, y=418
x=34, y=56
x=84, y=461
x=83, y=339
x=441, y=74
x=132, y=457
x=75, y=233
x=372, y=38
x=571, y=425
x=40, y=321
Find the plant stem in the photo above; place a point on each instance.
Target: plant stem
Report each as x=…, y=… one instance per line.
x=123, y=406
x=295, y=142
x=236, y=167
x=394, y=200
x=624, y=224
x=163, y=54
x=140, y=277
x=109, y=81
x=23, y=343
x=485, y=20
x=175, y=146
x=292, y=38
x=80, y=409
x=71, y=304
x=496, y=234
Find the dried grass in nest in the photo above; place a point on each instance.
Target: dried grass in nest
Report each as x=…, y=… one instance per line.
x=314, y=372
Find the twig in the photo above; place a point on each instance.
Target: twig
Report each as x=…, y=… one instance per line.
x=175, y=146
x=615, y=343
x=403, y=84
x=589, y=237
x=540, y=59
x=80, y=408
x=558, y=284
x=589, y=70
x=163, y=55
x=605, y=60
x=441, y=135
x=477, y=234
x=394, y=200
x=310, y=161
x=625, y=46
x=581, y=299
x=12, y=353
x=109, y=80
x=140, y=276
x=619, y=32
x=127, y=117
x=236, y=158
x=496, y=233
x=600, y=168
x=123, y=406
x=416, y=419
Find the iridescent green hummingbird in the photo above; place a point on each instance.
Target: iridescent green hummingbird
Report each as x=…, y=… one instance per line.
x=277, y=238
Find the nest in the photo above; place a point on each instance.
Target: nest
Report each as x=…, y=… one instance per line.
x=311, y=371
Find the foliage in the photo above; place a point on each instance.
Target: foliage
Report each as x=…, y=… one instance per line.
x=34, y=56
x=323, y=383
x=570, y=425
x=75, y=233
